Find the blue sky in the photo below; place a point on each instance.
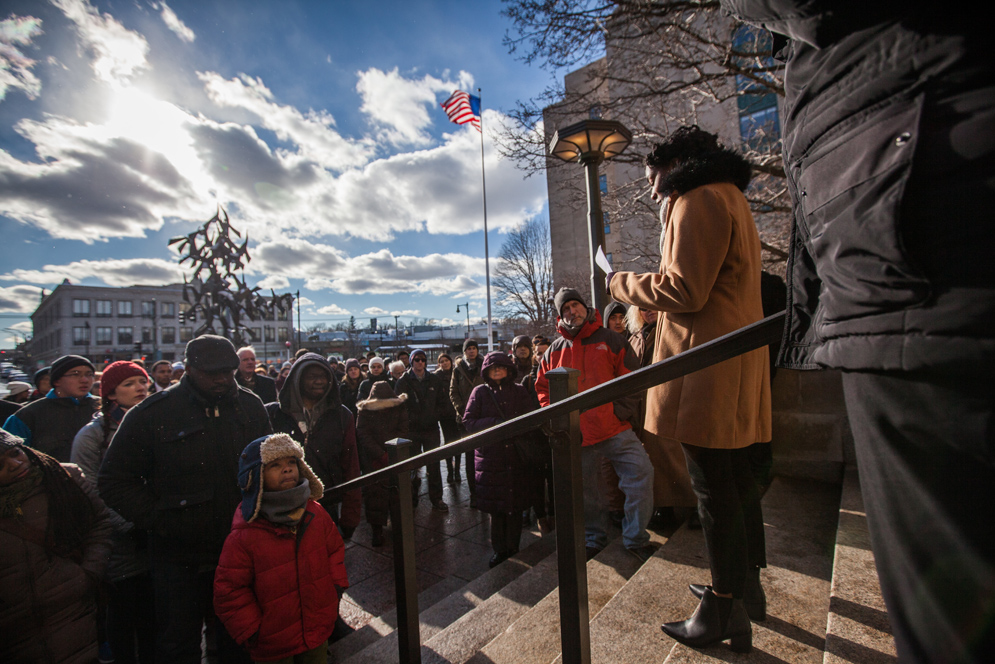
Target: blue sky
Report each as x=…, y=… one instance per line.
x=316, y=124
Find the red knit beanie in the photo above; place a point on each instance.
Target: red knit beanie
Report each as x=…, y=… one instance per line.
x=117, y=373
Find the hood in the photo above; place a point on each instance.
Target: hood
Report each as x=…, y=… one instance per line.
x=708, y=168
x=592, y=323
x=290, y=395
x=615, y=308
x=499, y=359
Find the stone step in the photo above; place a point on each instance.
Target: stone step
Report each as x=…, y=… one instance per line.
x=857, y=629
x=534, y=638
x=439, y=606
x=800, y=518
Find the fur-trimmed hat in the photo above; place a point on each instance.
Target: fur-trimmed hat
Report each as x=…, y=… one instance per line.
x=382, y=396
x=250, y=470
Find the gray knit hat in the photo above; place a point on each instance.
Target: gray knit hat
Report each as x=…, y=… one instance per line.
x=565, y=295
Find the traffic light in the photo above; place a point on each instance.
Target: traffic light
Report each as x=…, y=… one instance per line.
x=138, y=348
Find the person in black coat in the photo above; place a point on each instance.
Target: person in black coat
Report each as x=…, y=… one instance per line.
x=263, y=387
x=172, y=469
x=889, y=153
x=377, y=372
x=425, y=394
x=382, y=417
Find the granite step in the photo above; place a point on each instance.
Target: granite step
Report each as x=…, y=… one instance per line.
x=800, y=518
x=439, y=606
x=534, y=638
x=857, y=628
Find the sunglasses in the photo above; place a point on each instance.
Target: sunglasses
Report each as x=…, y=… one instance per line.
x=419, y=359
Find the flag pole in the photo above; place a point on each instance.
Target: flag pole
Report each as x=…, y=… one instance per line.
x=487, y=258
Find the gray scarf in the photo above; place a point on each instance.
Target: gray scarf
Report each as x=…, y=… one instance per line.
x=285, y=507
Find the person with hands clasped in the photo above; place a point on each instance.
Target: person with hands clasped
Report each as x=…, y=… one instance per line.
x=282, y=569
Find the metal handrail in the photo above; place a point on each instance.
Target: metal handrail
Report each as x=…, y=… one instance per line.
x=728, y=346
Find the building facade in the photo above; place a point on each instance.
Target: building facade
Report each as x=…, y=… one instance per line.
x=107, y=324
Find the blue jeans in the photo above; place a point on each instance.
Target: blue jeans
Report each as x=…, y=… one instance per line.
x=635, y=475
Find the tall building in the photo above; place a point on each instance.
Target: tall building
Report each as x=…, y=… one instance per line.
x=108, y=324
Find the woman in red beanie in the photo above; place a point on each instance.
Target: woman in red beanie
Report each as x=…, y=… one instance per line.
x=129, y=614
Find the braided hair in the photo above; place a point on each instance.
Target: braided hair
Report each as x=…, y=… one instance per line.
x=70, y=513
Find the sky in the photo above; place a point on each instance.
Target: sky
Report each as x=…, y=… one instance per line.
x=316, y=125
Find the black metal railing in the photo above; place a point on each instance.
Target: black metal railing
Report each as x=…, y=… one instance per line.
x=561, y=419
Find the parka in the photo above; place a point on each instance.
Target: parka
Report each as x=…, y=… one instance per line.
x=281, y=584
x=600, y=355
x=708, y=285
x=465, y=378
x=172, y=467
x=48, y=609
x=50, y=424
x=425, y=401
x=382, y=417
x=327, y=433
x=504, y=480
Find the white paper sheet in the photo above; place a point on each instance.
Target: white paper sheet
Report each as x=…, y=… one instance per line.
x=602, y=261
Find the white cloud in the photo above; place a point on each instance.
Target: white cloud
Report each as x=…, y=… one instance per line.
x=333, y=310
x=400, y=106
x=174, y=23
x=305, y=301
x=116, y=52
x=15, y=67
x=277, y=283
x=19, y=299
x=113, y=272
x=313, y=132
x=406, y=312
x=374, y=311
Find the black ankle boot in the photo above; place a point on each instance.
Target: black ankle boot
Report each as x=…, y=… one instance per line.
x=716, y=619
x=754, y=598
x=378, y=536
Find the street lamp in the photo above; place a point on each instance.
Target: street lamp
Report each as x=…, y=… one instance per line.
x=590, y=142
x=466, y=308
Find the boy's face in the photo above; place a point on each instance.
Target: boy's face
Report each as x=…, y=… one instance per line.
x=281, y=474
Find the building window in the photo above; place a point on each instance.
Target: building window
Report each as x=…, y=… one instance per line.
x=759, y=125
x=760, y=129
x=282, y=315
x=270, y=334
x=186, y=334
x=105, y=336
x=124, y=308
x=125, y=336
x=81, y=336
x=254, y=335
x=609, y=256
x=282, y=335
x=168, y=335
x=603, y=183
x=148, y=309
x=81, y=308
x=608, y=228
x=185, y=314
x=147, y=336
x=168, y=309
x=104, y=309
x=594, y=113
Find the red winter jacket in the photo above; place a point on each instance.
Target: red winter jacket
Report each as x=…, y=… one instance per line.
x=280, y=586
x=600, y=355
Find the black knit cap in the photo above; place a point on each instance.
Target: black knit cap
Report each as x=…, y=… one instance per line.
x=469, y=342
x=67, y=363
x=211, y=353
x=565, y=295
x=41, y=373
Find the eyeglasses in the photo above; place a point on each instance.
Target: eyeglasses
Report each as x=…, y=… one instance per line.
x=86, y=375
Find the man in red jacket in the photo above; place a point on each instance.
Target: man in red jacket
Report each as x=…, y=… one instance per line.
x=601, y=355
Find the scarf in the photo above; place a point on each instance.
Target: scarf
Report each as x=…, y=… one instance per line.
x=285, y=507
x=12, y=496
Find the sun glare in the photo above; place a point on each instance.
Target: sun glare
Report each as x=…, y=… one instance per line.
x=154, y=123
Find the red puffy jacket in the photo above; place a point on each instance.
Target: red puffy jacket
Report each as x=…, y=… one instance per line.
x=600, y=355
x=279, y=585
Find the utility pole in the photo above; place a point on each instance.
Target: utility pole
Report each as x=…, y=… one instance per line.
x=298, y=320
x=396, y=341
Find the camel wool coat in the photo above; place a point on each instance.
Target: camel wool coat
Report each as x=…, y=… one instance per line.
x=708, y=285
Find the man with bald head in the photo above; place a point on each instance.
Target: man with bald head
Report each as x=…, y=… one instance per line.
x=263, y=387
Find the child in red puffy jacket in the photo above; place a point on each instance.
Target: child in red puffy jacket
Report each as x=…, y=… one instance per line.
x=282, y=569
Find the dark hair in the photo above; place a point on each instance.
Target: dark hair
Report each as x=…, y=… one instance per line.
x=684, y=143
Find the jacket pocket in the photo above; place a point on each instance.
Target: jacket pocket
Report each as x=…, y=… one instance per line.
x=184, y=517
x=850, y=187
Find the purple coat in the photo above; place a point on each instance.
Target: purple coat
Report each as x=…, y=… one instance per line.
x=503, y=485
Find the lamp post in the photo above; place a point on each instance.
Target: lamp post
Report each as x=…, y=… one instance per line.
x=590, y=142
x=466, y=308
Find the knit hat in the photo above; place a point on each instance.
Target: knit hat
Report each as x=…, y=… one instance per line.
x=15, y=387
x=9, y=441
x=211, y=353
x=41, y=373
x=521, y=340
x=350, y=363
x=116, y=374
x=66, y=363
x=469, y=342
x=376, y=360
x=418, y=351
x=257, y=454
x=565, y=295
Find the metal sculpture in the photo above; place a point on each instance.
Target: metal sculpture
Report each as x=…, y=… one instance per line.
x=215, y=292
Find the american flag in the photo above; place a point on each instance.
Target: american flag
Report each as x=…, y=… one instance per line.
x=462, y=107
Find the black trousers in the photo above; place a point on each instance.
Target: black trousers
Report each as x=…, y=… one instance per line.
x=926, y=453
x=423, y=441
x=731, y=518
x=506, y=533
x=131, y=620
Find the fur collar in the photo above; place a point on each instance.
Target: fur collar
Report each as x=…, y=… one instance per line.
x=381, y=404
x=708, y=168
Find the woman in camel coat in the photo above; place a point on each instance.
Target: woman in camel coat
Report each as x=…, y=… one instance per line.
x=709, y=285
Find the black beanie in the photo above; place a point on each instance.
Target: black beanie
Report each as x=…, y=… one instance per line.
x=211, y=353
x=66, y=363
x=564, y=295
x=468, y=343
